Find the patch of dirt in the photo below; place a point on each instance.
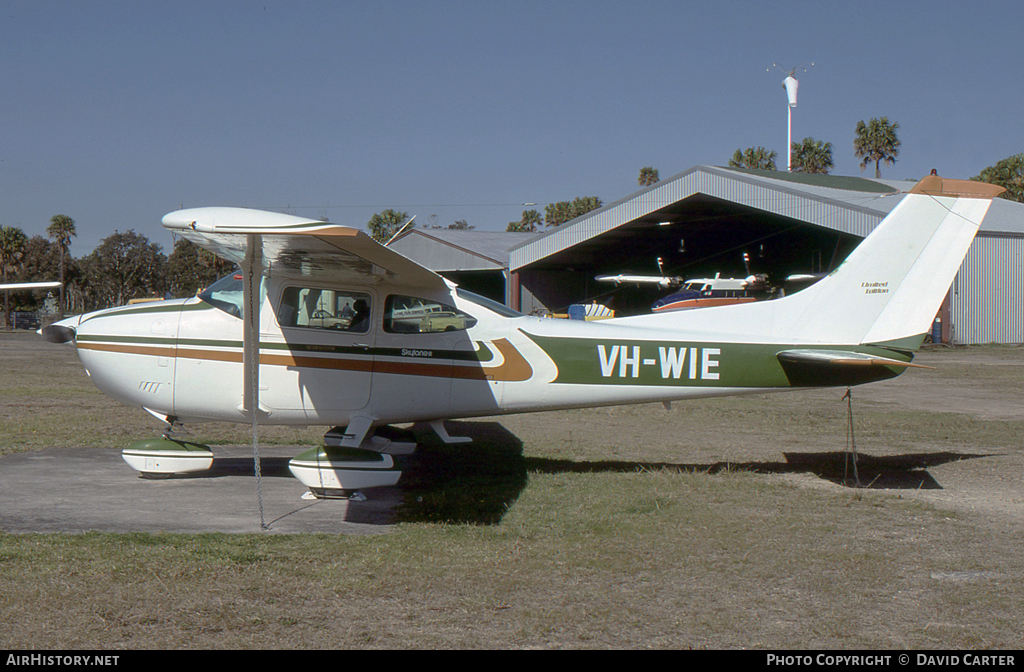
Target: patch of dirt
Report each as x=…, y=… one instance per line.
x=976, y=381
x=986, y=383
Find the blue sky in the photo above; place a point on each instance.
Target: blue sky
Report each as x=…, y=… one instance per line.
x=116, y=113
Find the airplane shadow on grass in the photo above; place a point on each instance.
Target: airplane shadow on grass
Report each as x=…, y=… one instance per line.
x=477, y=483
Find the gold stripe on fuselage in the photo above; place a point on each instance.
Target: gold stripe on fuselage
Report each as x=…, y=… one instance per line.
x=514, y=367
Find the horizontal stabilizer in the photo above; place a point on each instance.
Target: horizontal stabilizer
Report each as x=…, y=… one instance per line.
x=834, y=367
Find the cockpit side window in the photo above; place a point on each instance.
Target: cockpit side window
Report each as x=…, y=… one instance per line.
x=316, y=308
x=412, y=315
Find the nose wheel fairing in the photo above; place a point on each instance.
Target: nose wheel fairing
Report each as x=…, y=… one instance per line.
x=160, y=458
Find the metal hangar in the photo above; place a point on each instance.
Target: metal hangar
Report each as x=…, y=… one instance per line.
x=702, y=221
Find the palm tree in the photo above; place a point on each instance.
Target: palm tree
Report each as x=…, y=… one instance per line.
x=648, y=176
x=758, y=158
x=812, y=156
x=876, y=141
x=12, y=245
x=530, y=223
x=61, y=229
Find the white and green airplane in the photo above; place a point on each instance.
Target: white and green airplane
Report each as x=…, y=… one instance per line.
x=324, y=326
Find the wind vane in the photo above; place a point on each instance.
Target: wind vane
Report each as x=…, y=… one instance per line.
x=791, y=84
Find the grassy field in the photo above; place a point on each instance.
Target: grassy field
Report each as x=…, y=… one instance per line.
x=718, y=524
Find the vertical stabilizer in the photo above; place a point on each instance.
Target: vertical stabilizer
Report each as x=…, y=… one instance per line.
x=888, y=289
x=892, y=285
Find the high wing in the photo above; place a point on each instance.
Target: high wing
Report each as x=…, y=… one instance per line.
x=292, y=246
x=268, y=243
x=29, y=285
x=626, y=278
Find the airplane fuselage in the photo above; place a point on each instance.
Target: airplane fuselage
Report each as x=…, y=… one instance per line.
x=416, y=357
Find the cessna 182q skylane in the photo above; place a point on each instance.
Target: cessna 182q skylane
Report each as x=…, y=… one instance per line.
x=324, y=326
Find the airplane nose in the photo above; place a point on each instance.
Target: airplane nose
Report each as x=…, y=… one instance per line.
x=63, y=331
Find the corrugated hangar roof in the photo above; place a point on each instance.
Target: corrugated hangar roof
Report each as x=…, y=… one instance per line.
x=852, y=205
x=458, y=249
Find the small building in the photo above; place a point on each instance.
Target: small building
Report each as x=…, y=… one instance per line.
x=702, y=221
x=476, y=260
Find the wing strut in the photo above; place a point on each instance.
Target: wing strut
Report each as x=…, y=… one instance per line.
x=252, y=274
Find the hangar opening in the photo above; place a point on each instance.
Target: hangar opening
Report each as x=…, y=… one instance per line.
x=697, y=237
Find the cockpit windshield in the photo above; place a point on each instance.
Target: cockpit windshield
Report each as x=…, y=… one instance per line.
x=225, y=294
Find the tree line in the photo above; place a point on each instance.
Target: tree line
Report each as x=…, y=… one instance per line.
x=124, y=266
x=555, y=214
x=386, y=224
x=875, y=141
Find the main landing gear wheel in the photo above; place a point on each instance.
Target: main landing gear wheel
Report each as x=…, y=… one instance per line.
x=333, y=472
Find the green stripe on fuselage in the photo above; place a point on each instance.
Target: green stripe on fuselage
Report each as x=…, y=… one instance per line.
x=155, y=307
x=482, y=354
x=681, y=363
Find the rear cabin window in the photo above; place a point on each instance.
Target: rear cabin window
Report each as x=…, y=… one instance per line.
x=412, y=315
x=335, y=309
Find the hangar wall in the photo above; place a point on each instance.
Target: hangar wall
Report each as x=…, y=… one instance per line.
x=988, y=293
